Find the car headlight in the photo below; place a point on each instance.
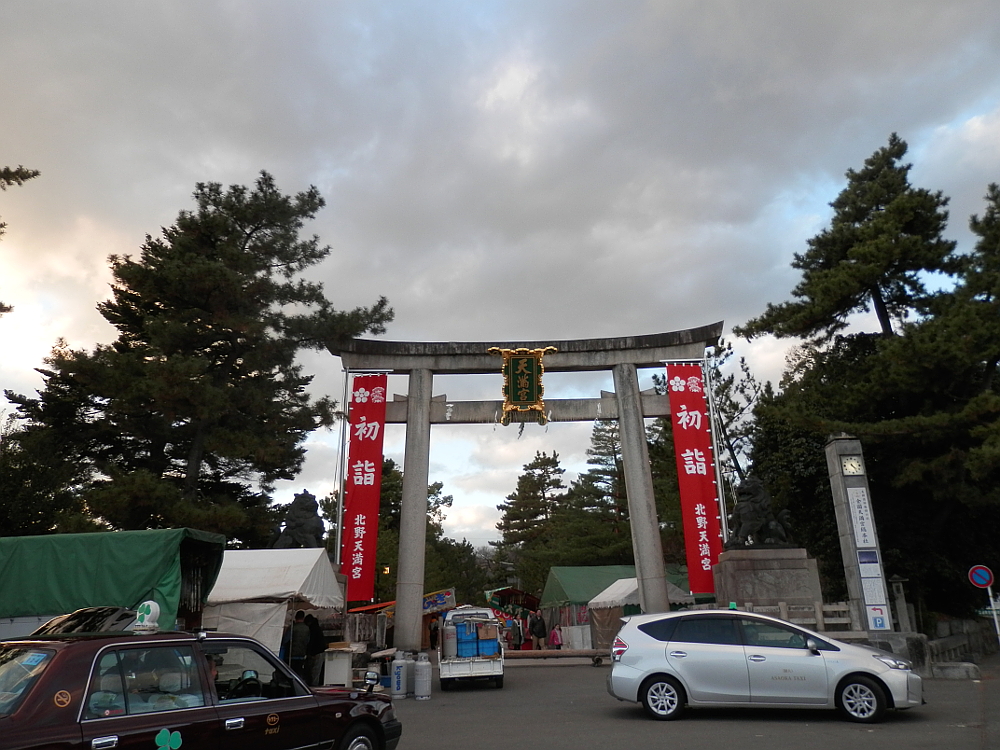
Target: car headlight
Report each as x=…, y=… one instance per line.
x=892, y=662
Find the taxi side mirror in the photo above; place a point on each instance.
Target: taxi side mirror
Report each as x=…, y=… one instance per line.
x=812, y=646
x=372, y=679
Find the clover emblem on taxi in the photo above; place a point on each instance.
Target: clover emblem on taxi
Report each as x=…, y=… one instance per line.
x=167, y=740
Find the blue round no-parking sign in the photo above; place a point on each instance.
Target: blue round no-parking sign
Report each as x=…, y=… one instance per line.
x=981, y=576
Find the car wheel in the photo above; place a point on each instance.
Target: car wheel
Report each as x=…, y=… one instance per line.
x=498, y=681
x=359, y=737
x=861, y=699
x=445, y=684
x=662, y=697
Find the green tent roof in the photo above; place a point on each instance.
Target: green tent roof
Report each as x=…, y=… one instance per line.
x=578, y=585
x=59, y=573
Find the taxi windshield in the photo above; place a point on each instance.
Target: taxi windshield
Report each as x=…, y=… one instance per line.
x=19, y=669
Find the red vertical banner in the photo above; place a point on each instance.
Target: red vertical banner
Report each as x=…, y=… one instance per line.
x=359, y=538
x=695, y=473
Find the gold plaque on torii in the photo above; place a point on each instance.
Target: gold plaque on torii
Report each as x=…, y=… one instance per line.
x=522, y=383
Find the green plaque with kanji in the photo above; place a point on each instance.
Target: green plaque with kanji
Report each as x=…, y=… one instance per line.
x=522, y=383
x=522, y=374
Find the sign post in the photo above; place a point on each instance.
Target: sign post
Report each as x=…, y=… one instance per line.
x=982, y=577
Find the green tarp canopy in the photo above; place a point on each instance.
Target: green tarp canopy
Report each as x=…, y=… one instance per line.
x=60, y=573
x=578, y=585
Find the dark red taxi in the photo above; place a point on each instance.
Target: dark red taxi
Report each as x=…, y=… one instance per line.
x=175, y=691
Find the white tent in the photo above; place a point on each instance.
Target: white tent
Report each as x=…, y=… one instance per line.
x=607, y=607
x=255, y=589
x=626, y=591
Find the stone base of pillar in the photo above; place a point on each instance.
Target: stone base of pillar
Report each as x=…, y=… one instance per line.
x=767, y=577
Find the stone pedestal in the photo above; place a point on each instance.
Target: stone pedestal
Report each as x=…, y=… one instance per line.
x=766, y=577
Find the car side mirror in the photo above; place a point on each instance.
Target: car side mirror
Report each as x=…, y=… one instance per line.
x=812, y=646
x=372, y=679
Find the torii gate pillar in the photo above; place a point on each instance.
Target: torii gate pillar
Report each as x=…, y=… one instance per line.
x=623, y=356
x=646, y=544
x=413, y=514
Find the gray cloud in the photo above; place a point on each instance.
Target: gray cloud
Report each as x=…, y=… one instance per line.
x=499, y=170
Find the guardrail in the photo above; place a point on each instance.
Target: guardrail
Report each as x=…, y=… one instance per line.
x=596, y=656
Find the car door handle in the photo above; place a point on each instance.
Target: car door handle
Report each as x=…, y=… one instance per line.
x=757, y=657
x=234, y=724
x=678, y=654
x=104, y=743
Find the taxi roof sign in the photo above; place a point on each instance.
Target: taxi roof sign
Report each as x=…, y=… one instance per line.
x=147, y=617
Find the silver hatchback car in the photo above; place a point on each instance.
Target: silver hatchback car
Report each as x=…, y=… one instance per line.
x=729, y=658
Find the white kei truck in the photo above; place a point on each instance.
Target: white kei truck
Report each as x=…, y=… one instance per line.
x=471, y=647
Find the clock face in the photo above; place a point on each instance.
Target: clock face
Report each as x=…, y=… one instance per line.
x=852, y=465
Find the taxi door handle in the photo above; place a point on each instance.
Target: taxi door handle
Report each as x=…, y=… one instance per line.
x=678, y=654
x=757, y=657
x=104, y=743
x=234, y=724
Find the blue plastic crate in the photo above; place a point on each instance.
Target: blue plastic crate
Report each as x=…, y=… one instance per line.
x=466, y=631
x=488, y=648
x=468, y=648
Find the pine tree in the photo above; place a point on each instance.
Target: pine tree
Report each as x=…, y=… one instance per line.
x=925, y=405
x=526, y=524
x=589, y=526
x=884, y=237
x=528, y=509
x=597, y=503
x=198, y=407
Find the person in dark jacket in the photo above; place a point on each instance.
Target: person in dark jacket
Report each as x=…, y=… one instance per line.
x=536, y=626
x=434, y=630
x=298, y=645
x=314, y=651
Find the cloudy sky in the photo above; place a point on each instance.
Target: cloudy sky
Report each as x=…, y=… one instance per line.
x=499, y=170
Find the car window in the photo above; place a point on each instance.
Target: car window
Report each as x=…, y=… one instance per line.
x=89, y=620
x=19, y=669
x=162, y=678
x=106, y=696
x=764, y=634
x=721, y=630
x=822, y=645
x=245, y=673
x=661, y=630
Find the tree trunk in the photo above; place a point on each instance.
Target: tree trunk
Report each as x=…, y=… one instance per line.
x=195, y=456
x=881, y=312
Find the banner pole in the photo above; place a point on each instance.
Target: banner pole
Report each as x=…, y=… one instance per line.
x=712, y=420
x=341, y=473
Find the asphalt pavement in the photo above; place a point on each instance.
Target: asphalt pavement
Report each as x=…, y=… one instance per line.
x=557, y=705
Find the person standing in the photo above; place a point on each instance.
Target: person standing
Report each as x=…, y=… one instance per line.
x=536, y=627
x=314, y=650
x=555, y=637
x=298, y=645
x=517, y=633
x=434, y=629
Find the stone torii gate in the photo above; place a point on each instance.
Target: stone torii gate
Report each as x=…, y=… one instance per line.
x=418, y=410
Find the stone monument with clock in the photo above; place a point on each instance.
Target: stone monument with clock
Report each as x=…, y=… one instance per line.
x=859, y=545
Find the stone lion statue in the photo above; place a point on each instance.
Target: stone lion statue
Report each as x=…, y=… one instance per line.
x=303, y=526
x=753, y=522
